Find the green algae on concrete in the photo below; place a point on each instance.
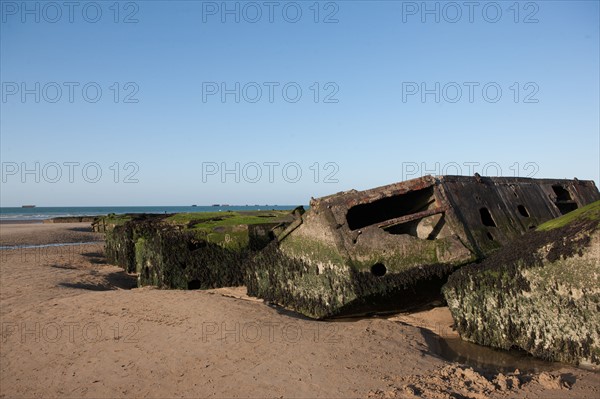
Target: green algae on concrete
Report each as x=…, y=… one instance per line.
x=590, y=212
x=192, y=250
x=102, y=224
x=120, y=236
x=172, y=258
x=540, y=294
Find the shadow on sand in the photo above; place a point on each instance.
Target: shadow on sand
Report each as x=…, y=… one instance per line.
x=109, y=282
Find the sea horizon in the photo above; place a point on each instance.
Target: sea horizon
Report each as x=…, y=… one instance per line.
x=49, y=212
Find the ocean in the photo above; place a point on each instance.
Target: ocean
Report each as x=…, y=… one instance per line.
x=41, y=213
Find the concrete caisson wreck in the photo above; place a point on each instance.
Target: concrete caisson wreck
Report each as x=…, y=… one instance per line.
x=392, y=248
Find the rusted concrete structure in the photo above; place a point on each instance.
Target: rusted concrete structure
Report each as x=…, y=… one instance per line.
x=392, y=247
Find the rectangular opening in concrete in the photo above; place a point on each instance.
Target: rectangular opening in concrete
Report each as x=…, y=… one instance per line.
x=426, y=228
x=387, y=208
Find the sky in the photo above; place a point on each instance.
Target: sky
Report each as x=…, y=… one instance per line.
x=112, y=103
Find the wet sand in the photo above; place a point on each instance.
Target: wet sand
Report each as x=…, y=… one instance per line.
x=72, y=326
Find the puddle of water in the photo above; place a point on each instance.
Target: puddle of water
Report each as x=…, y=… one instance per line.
x=49, y=245
x=454, y=349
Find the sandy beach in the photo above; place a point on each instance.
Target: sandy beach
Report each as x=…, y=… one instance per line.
x=74, y=326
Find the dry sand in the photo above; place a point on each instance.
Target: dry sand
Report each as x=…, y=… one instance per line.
x=73, y=327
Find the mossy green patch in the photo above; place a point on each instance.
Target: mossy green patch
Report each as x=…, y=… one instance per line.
x=229, y=218
x=315, y=250
x=590, y=212
x=117, y=219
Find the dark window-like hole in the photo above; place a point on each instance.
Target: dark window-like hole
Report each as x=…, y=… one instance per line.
x=194, y=285
x=378, y=269
x=565, y=208
x=389, y=208
x=561, y=193
x=486, y=217
x=564, y=202
x=523, y=211
x=490, y=236
x=404, y=228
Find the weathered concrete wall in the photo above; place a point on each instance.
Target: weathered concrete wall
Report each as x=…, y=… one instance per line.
x=167, y=257
x=514, y=205
x=120, y=240
x=189, y=251
x=541, y=293
x=119, y=247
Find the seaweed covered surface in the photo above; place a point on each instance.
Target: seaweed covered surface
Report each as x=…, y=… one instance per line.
x=309, y=273
x=340, y=289
x=167, y=257
x=541, y=293
x=190, y=251
x=120, y=233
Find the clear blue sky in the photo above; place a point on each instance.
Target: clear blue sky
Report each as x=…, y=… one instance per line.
x=369, y=126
